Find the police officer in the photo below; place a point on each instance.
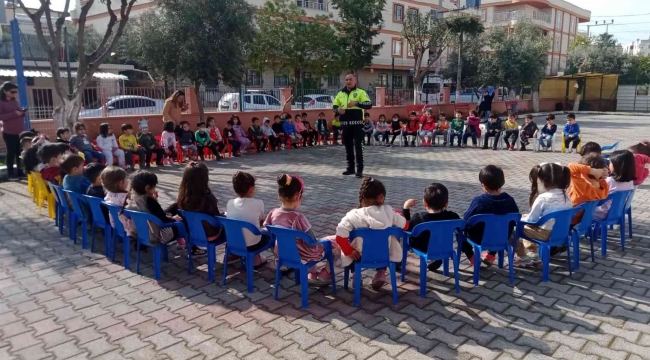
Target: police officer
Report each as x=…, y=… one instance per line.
x=350, y=103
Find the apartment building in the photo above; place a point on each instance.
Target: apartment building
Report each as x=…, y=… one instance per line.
x=638, y=47
x=558, y=18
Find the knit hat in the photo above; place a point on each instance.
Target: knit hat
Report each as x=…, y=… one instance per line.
x=144, y=123
x=265, y=120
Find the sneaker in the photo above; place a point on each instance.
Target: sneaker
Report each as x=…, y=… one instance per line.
x=181, y=243
x=524, y=262
x=359, y=174
x=378, y=280
x=488, y=260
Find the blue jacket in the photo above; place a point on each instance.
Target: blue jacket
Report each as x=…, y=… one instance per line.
x=488, y=204
x=572, y=130
x=549, y=131
x=78, y=184
x=289, y=128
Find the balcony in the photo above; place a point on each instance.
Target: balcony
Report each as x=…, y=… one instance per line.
x=516, y=15
x=316, y=4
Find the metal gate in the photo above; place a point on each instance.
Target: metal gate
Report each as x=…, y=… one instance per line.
x=633, y=98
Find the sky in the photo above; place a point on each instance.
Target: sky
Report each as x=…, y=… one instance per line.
x=631, y=17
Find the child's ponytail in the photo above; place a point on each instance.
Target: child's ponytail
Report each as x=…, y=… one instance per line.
x=370, y=191
x=289, y=186
x=553, y=176
x=534, y=188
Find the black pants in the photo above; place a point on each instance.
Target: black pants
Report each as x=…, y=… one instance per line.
x=406, y=134
x=336, y=130
x=128, y=157
x=495, y=142
x=353, y=141
x=159, y=155
x=395, y=134
x=13, y=153
x=275, y=141
x=466, y=136
x=511, y=133
x=261, y=143
x=214, y=147
x=567, y=142
x=368, y=137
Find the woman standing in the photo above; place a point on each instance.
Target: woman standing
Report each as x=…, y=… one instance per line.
x=174, y=107
x=485, y=107
x=12, y=117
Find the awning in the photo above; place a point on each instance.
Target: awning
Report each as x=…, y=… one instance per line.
x=48, y=74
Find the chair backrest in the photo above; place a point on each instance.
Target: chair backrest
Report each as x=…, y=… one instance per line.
x=63, y=199
x=95, y=205
x=194, y=222
x=115, y=211
x=375, y=243
x=441, y=235
x=610, y=147
x=619, y=199
x=234, y=234
x=78, y=202
x=54, y=193
x=497, y=227
x=562, y=224
x=141, y=222
x=286, y=240
x=589, y=210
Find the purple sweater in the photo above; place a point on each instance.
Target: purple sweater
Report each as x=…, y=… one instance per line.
x=12, y=124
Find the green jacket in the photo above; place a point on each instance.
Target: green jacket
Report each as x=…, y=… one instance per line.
x=457, y=124
x=353, y=115
x=202, y=137
x=146, y=140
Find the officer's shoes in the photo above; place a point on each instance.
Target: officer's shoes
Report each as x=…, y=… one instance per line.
x=348, y=172
x=359, y=174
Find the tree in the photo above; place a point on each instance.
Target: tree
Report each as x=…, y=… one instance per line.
x=636, y=70
x=472, y=58
x=597, y=54
x=461, y=25
x=425, y=36
x=359, y=23
x=67, y=113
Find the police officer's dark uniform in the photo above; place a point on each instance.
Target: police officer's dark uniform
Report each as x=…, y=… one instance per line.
x=352, y=125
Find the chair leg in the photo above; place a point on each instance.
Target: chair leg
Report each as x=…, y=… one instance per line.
x=165, y=252
x=456, y=272
x=225, y=266
x=576, y=250
x=346, y=277
x=405, y=252
x=622, y=229
x=137, y=257
x=304, y=288
x=445, y=268
x=592, y=238
x=330, y=261
x=157, y=260
x=629, y=220
x=500, y=259
x=278, y=277
x=296, y=277
x=357, y=284
x=393, y=281
x=212, y=258
x=108, y=241
x=249, y=272
x=423, y=277
x=603, y=240
x=477, y=264
x=126, y=244
x=92, y=237
x=546, y=259
x=190, y=263
x=511, y=264
x=84, y=235
x=568, y=256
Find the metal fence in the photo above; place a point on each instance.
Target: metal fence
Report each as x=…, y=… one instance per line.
x=633, y=98
x=398, y=97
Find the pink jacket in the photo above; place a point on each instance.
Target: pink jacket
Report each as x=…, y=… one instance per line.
x=300, y=127
x=474, y=122
x=641, y=171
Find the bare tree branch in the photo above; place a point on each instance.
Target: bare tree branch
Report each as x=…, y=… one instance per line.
x=81, y=32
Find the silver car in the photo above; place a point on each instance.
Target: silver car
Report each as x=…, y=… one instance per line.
x=252, y=101
x=126, y=105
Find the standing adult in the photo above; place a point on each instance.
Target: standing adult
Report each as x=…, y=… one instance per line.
x=350, y=104
x=12, y=117
x=174, y=107
x=485, y=107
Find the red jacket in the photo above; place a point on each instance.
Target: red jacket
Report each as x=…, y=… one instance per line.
x=414, y=125
x=51, y=174
x=428, y=124
x=474, y=122
x=641, y=171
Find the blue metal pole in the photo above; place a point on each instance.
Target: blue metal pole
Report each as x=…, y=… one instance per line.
x=20, y=74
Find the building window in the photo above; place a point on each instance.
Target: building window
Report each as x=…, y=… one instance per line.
x=334, y=80
x=397, y=82
x=558, y=36
x=43, y=104
x=413, y=12
x=280, y=80
x=254, y=78
x=397, y=47
x=409, y=82
x=558, y=20
x=556, y=65
x=398, y=13
x=383, y=80
x=484, y=15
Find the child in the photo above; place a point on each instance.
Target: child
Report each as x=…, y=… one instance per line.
x=311, y=132
x=213, y=130
x=93, y=173
x=245, y=207
x=231, y=137
x=321, y=127
x=571, y=132
x=591, y=148
x=168, y=141
x=270, y=135
x=80, y=142
x=492, y=202
x=547, y=133
x=380, y=129
x=291, y=132
x=527, y=131
x=336, y=127
x=555, y=180
x=244, y=143
x=51, y=156
x=436, y=200
x=115, y=183
x=129, y=144
x=143, y=198
x=74, y=180
x=372, y=213
x=442, y=128
x=641, y=152
x=511, y=128
x=368, y=128
x=492, y=129
x=395, y=129
x=256, y=134
x=588, y=181
x=428, y=128
x=278, y=128
x=472, y=129
x=107, y=143
x=62, y=135
x=456, y=128
x=150, y=146
x=301, y=129
x=290, y=192
x=203, y=140
x=411, y=129
x=187, y=140
x=621, y=178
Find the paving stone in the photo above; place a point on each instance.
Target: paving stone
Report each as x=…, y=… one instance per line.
x=98, y=347
x=179, y=352
x=211, y=349
x=162, y=340
x=595, y=349
x=294, y=353
x=389, y=346
x=359, y=350
x=302, y=337
x=324, y=350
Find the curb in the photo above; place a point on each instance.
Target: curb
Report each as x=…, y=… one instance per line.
x=587, y=113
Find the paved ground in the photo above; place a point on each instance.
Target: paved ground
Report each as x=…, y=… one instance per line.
x=58, y=301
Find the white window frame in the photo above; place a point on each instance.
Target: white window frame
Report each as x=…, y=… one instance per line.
x=393, y=48
x=397, y=15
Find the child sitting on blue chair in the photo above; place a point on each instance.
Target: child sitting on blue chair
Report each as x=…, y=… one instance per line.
x=621, y=178
x=436, y=200
x=374, y=214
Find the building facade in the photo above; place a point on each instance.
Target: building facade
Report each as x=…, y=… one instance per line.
x=638, y=47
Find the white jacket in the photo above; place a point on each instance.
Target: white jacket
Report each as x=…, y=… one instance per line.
x=373, y=217
x=107, y=143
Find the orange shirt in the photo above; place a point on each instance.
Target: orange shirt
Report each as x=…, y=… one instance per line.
x=581, y=190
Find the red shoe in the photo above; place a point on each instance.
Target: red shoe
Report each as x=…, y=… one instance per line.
x=471, y=260
x=489, y=259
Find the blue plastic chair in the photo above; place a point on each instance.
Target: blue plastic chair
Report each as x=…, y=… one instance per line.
x=119, y=232
x=375, y=255
x=197, y=237
x=616, y=215
x=96, y=209
x=141, y=222
x=65, y=209
x=441, y=247
x=610, y=148
x=628, y=212
x=236, y=245
x=78, y=203
x=57, y=207
x=288, y=256
x=560, y=235
x=495, y=238
x=583, y=228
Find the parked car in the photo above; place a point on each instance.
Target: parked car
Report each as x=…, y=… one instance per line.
x=125, y=105
x=314, y=101
x=252, y=100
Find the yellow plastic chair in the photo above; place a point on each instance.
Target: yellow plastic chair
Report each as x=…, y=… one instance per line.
x=43, y=194
x=30, y=185
x=579, y=144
